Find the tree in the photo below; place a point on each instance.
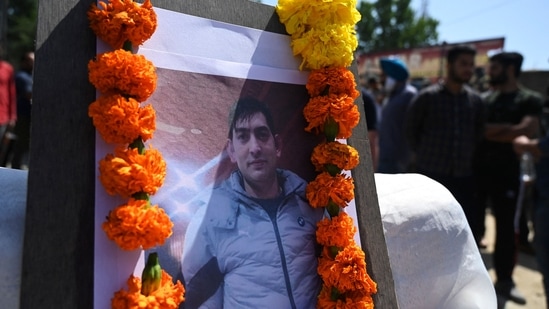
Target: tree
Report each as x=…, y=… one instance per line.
x=393, y=24
x=21, y=33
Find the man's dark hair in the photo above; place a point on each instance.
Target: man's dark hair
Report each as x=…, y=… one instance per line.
x=454, y=52
x=245, y=109
x=509, y=58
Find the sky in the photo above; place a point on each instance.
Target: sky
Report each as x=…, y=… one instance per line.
x=524, y=24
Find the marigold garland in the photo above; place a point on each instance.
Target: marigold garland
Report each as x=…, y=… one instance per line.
x=343, y=156
x=342, y=109
x=124, y=73
x=121, y=120
x=331, y=80
x=347, y=271
x=322, y=33
x=137, y=224
x=299, y=16
x=336, y=232
x=351, y=300
x=321, y=48
x=168, y=296
x=326, y=188
x=124, y=80
x=127, y=172
x=119, y=21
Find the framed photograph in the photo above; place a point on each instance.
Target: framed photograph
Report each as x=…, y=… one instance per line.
x=209, y=55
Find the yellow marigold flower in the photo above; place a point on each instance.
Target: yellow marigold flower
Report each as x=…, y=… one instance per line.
x=347, y=272
x=330, y=46
x=343, y=156
x=299, y=16
x=137, y=224
x=332, y=80
x=337, y=232
x=168, y=296
x=127, y=172
x=341, y=108
x=118, y=21
x=124, y=73
x=325, y=188
x=121, y=120
x=349, y=300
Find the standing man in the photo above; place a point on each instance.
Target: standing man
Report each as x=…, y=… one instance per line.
x=511, y=111
x=8, y=107
x=23, y=87
x=444, y=126
x=394, y=156
x=253, y=245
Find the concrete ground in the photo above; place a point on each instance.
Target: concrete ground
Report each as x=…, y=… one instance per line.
x=526, y=275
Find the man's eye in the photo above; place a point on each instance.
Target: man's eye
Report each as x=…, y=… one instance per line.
x=242, y=137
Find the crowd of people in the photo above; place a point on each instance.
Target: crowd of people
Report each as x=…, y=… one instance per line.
x=469, y=134
x=15, y=110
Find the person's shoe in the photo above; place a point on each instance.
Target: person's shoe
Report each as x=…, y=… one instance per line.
x=509, y=290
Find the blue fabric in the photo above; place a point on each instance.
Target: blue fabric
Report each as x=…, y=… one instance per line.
x=394, y=156
x=394, y=68
x=264, y=263
x=23, y=87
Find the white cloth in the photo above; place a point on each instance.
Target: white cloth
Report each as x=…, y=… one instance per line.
x=433, y=255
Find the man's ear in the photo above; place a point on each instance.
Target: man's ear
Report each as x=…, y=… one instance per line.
x=230, y=150
x=278, y=145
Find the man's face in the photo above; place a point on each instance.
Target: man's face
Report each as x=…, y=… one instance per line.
x=498, y=74
x=254, y=149
x=462, y=69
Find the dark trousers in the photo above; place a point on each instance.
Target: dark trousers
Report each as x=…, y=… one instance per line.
x=463, y=189
x=502, y=189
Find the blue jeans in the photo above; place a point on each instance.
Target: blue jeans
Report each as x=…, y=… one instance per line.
x=541, y=240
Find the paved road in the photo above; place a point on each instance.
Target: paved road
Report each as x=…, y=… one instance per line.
x=526, y=274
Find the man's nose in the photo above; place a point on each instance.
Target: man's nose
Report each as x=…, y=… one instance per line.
x=255, y=146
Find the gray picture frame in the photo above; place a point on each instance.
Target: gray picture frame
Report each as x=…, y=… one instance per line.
x=58, y=260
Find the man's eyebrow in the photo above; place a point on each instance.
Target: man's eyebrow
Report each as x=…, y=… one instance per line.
x=237, y=129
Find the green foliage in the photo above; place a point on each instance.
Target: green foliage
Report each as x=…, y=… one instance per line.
x=21, y=34
x=393, y=24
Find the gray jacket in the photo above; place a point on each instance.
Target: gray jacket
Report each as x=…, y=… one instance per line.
x=235, y=256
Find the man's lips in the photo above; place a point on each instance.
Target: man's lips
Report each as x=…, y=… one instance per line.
x=257, y=163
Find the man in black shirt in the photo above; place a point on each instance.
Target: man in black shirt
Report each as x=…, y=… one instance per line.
x=511, y=111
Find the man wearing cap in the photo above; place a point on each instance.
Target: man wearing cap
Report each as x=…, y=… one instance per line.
x=394, y=155
x=444, y=126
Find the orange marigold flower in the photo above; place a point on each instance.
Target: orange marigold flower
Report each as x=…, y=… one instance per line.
x=125, y=73
x=341, y=108
x=325, y=188
x=137, y=224
x=338, y=232
x=347, y=272
x=128, y=172
x=350, y=300
x=118, y=21
x=121, y=120
x=168, y=296
x=341, y=155
x=337, y=80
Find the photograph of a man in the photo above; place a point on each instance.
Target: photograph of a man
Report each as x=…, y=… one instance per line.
x=253, y=245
